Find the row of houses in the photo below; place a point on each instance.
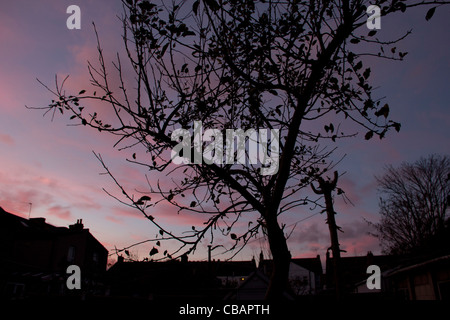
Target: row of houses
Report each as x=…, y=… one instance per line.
x=235, y=280
x=35, y=256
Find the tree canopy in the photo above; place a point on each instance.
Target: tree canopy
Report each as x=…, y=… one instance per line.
x=414, y=204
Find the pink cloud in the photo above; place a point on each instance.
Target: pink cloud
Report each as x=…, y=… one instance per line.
x=126, y=212
x=83, y=52
x=19, y=184
x=60, y=212
x=164, y=213
x=8, y=207
x=361, y=246
x=49, y=182
x=168, y=214
x=18, y=200
x=312, y=250
x=114, y=219
x=6, y=139
x=86, y=202
x=313, y=238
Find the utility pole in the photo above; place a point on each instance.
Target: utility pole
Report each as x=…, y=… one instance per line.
x=326, y=188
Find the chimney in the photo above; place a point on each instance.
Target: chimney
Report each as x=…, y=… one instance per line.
x=184, y=258
x=262, y=265
x=209, y=253
x=77, y=226
x=369, y=258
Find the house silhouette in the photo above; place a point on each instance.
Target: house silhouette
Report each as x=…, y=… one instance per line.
x=35, y=257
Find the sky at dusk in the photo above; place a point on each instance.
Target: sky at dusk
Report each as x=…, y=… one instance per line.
x=51, y=165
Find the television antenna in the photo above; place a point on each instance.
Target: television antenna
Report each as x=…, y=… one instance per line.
x=29, y=211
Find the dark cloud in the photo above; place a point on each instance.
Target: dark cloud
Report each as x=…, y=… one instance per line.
x=355, y=229
x=312, y=233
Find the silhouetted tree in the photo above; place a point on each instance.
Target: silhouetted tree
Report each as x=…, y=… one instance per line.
x=295, y=66
x=414, y=204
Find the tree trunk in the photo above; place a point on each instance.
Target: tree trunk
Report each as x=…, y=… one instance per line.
x=279, y=281
x=338, y=280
